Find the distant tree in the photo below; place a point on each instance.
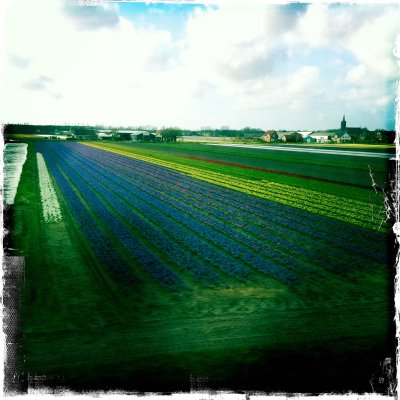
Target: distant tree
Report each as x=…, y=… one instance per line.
x=170, y=134
x=368, y=136
x=386, y=136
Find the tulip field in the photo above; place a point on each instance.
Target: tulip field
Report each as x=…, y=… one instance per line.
x=147, y=269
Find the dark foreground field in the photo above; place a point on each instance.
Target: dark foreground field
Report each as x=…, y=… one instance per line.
x=155, y=280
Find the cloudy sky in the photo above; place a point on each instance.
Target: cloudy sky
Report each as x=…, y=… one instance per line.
x=236, y=64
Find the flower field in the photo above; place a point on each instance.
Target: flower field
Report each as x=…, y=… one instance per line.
x=357, y=212
x=172, y=226
x=157, y=272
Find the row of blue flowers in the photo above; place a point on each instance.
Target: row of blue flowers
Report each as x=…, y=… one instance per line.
x=344, y=235
x=291, y=237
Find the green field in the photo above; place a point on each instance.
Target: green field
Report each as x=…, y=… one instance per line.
x=333, y=167
x=84, y=329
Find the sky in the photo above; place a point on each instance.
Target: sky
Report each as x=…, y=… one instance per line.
x=293, y=66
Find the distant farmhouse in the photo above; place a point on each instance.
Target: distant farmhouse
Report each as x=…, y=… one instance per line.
x=290, y=137
x=270, y=137
x=282, y=136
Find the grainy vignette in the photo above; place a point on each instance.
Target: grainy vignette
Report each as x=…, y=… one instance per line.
x=12, y=275
x=12, y=280
x=397, y=216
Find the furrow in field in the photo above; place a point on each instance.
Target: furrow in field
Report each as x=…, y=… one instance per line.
x=333, y=207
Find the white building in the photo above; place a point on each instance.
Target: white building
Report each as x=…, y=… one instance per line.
x=320, y=137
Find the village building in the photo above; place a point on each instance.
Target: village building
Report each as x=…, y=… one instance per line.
x=319, y=137
x=289, y=137
x=85, y=135
x=70, y=133
x=104, y=134
x=304, y=134
x=349, y=134
x=270, y=137
x=136, y=136
x=310, y=139
x=60, y=135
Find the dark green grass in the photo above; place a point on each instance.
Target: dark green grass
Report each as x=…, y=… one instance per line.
x=78, y=330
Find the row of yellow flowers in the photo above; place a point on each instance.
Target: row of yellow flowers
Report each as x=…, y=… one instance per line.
x=348, y=210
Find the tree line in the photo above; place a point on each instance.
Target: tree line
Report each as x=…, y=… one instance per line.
x=171, y=134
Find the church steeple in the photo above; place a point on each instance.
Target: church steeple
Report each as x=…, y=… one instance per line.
x=343, y=124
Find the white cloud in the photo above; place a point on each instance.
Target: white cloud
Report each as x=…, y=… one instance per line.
x=93, y=17
x=324, y=25
x=373, y=43
x=39, y=83
x=373, y=78
x=365, y=32
x=223, y=44
x=245, y=62
x=19, y=62
x=304, y=80
x=235, y=62
x=358, y=75
x=294, y=92
x=97, y=74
